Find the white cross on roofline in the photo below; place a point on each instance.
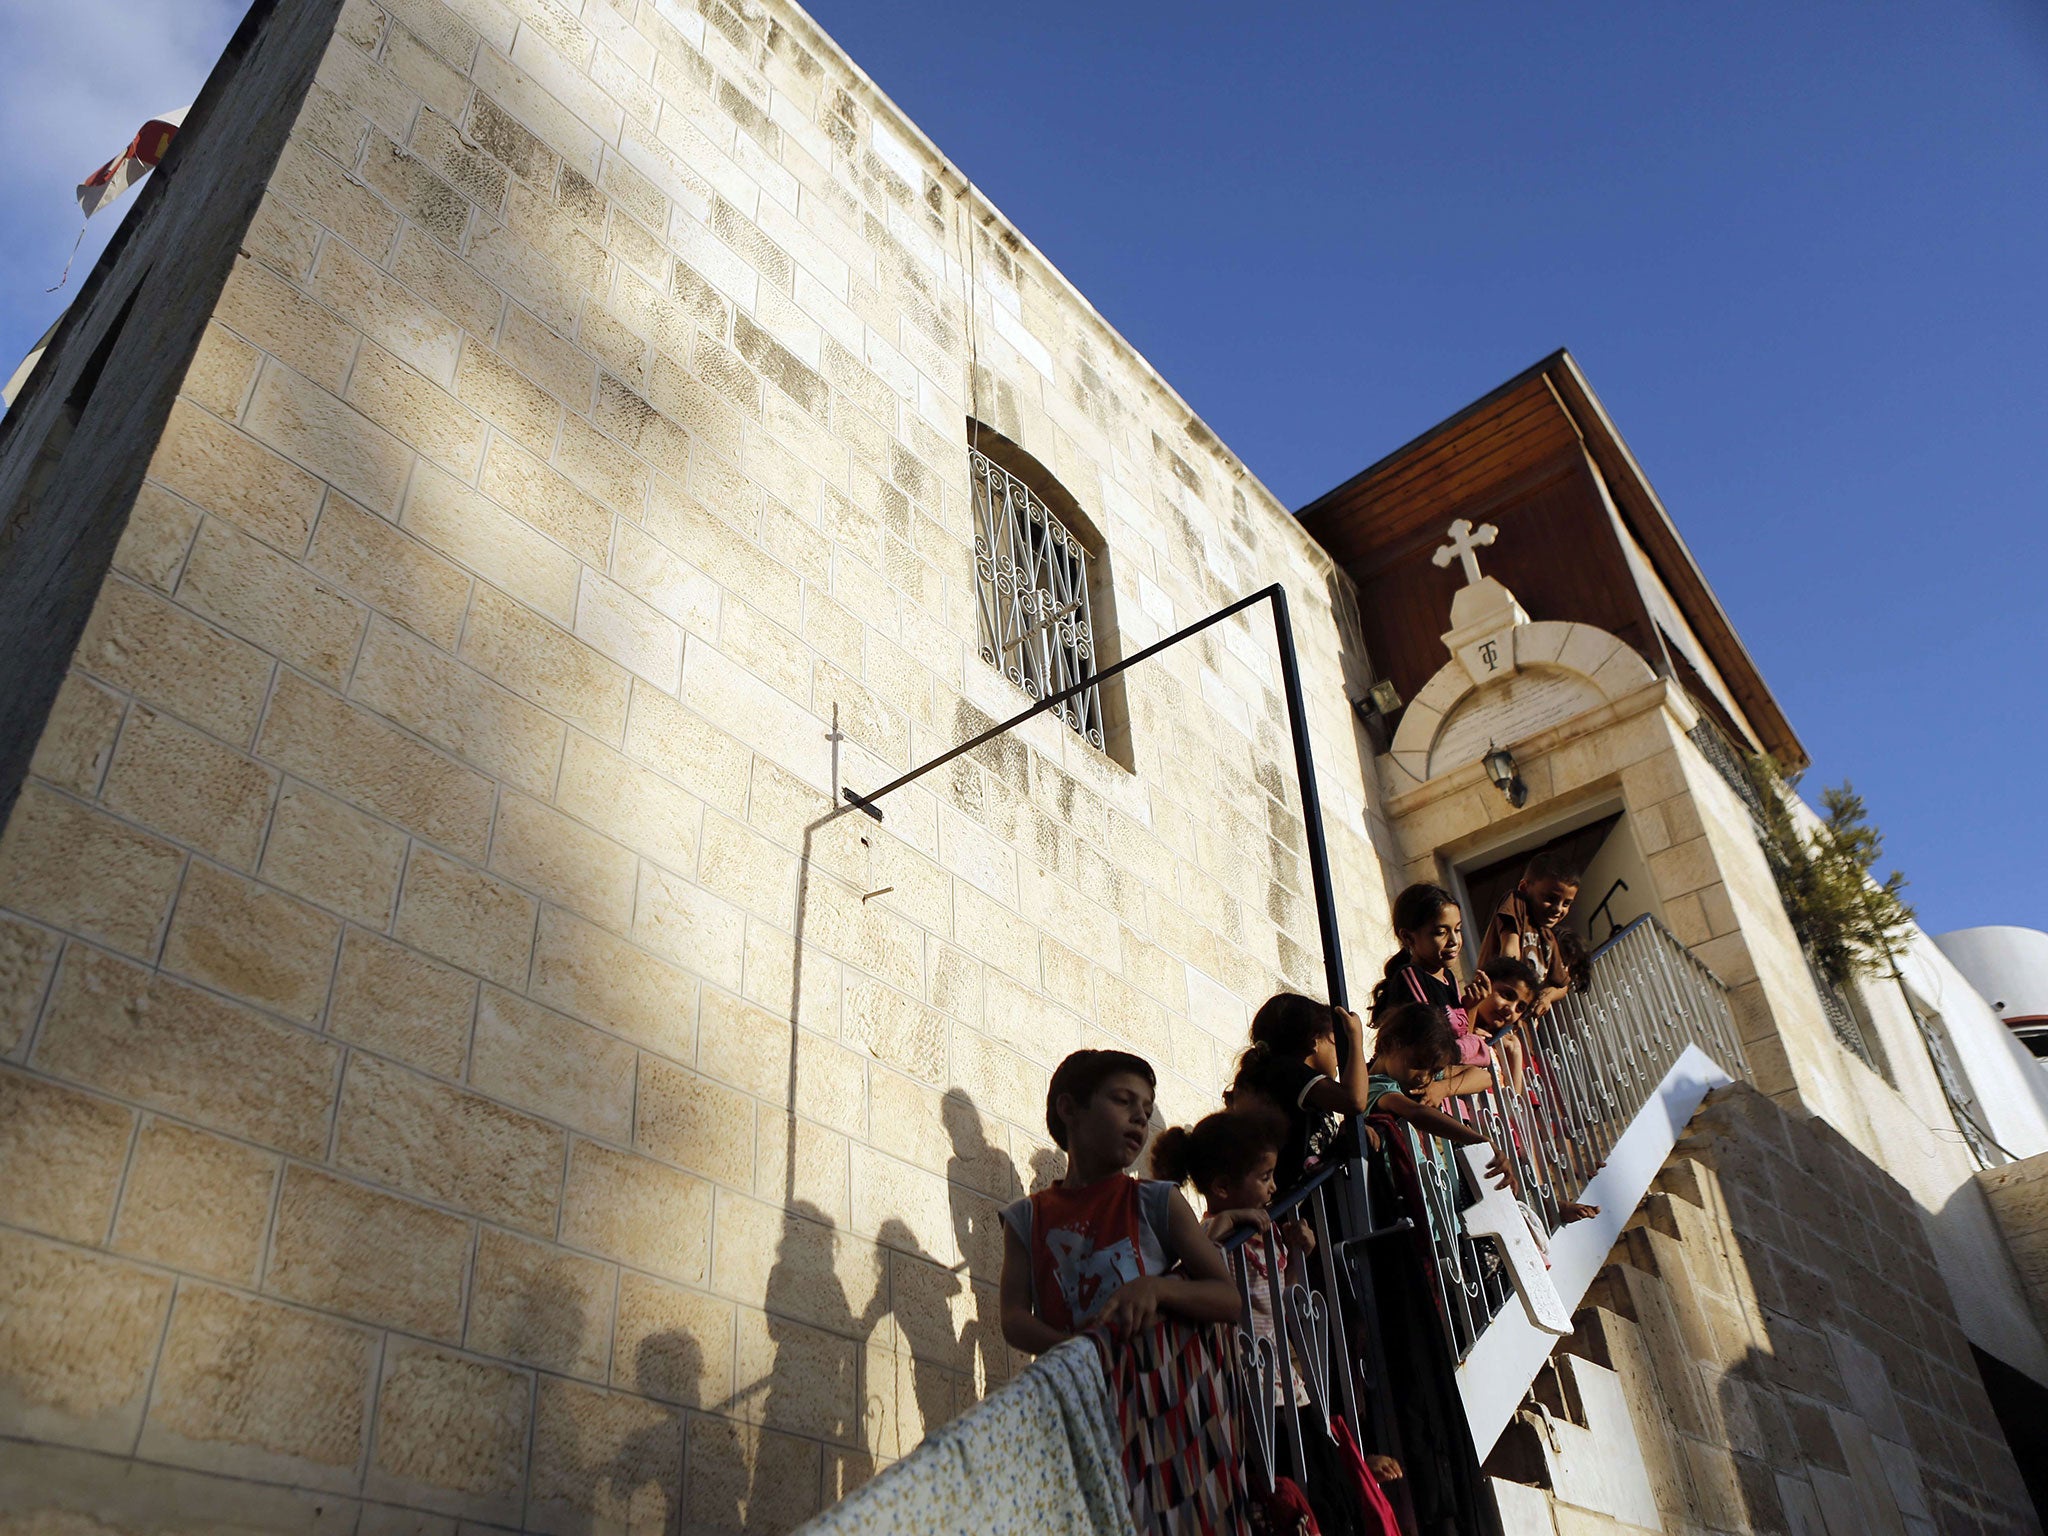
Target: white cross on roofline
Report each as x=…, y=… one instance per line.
x=1465, y=545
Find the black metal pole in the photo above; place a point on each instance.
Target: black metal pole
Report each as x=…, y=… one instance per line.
x=1304, y=761
x=1311, y=802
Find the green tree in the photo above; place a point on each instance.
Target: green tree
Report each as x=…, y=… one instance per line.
x=1850, y=922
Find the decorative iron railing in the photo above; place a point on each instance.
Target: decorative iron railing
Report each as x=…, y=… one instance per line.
x=1036, y=626
x=1596, y=1059
x=1722, y=756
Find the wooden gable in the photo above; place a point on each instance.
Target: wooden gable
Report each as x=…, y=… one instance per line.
x=1540, y=460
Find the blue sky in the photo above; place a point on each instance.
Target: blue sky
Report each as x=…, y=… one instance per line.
x=1799, y=250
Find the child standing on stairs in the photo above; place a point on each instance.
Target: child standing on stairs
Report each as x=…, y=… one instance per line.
x=1431, y=932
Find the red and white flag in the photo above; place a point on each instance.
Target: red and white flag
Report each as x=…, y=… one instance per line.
x=106, y=184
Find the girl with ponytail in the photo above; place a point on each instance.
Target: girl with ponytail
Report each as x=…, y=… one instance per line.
x=1431, y=931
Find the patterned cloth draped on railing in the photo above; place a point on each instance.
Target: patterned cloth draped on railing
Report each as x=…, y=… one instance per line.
x=1100, y=1436
x=1044, y=1453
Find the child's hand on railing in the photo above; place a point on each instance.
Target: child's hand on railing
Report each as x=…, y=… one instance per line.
x=1221, y=1224
x=1436, y=1092
x=1299, y=1236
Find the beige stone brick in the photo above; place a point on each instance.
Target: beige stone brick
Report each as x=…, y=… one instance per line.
x=416, y=410
x=445, y=282
x=683, y=746
x=683, y=1118
x=771, y=653
x=721, y=551
x=584, y=971
x=492, y=543
x=353, y=754
x=683, y=921
x=653, y=573
x=631, y=632
x=601, y=1459
x=738, y=864
x=422, y=1136
x=167, y=657
x=539, y=1304
x=252, y=942
x=80, y=869
x=367, y=86
x=637, y=808
x=509, y=401
x=811, y=1376
x=445, y=30
x=334, y=441
x=466, y=917
x=401, y=1004
x=264, y=309
x=451, y=1433
x=453, y=706
x=753, y=1479
x=799, y=1266
x=672, y=1344
x=441, y=144
x=1686, y=867
x=28, y=955
x=159, y=532
x=77, y=1343
x=375, y=563
x=717, y=688
x=327, y=852
x=743, y=1045
x=637, y=1211
x=347, y=1248
x=316, y=186
x=191, y=787
x=114, y=1026
x=61, y=1154
x=254, y=592
x=549, y=360
x=405, y=181
x=553, y=1065
x=602, y=467
x=544, y=663
x=281, y=237
x=214, y=466
x=545, y=851
x=293, y=1405
x=78, y=738
x=526, y=487
x=634, y=421
x=223, y=366
x=196, y=1202
x=897, y=1029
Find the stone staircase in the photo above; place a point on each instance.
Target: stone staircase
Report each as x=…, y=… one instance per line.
x=1769, y=1348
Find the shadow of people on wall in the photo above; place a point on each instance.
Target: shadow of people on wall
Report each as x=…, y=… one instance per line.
x=668, y=1365
x=980, y=1181
x=1048, y=1167
x=921, y=1292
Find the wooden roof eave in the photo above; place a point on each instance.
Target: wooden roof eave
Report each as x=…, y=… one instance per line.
x=1653, y=528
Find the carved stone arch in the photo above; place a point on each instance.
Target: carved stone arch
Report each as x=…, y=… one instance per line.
x=1560, y=670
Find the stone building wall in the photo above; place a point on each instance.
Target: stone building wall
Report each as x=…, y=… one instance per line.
x=1787, y=1353
x=455, y=1067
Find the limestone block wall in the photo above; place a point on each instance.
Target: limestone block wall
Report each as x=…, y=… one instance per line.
x=1786, y=1350
x=455, y=1065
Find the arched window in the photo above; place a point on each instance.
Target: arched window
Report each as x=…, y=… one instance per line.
x=1046, y=607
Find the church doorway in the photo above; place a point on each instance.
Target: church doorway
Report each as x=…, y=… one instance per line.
x=1614, y=882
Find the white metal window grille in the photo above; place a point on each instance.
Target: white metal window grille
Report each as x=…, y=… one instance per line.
x=1036, y=626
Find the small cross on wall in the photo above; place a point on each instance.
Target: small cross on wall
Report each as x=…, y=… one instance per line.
x=1466, y=542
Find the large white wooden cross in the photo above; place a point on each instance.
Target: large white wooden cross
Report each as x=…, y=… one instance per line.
x=1466, y=542
x=1498, y=1215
